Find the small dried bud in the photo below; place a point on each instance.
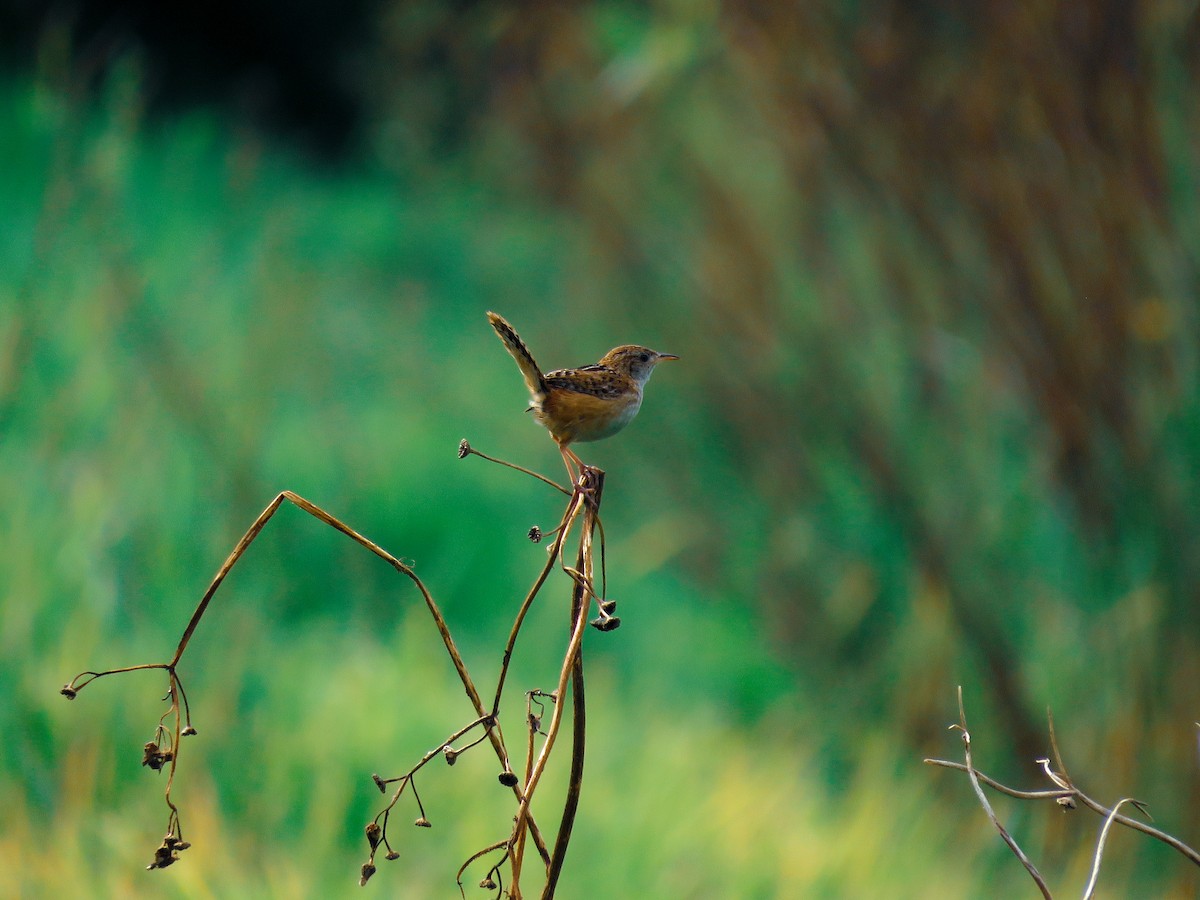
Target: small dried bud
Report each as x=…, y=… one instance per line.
x=69, y=692
x=535, y=723
x=154, y=757
x=163, y=857
x=392, y=855
x=535, y=534
x=1065, y=802
x=368, y=870
x=487, y=884
x=379, y=782
x=450, y=754
x=606, y=623
x=423, y=823
x=188, y=731
x=374, y=834
x=608, y=607
x=167, y=852
x=508, y=779
x=464, y=449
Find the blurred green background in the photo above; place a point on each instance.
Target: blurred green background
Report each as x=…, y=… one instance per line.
x=932, y=272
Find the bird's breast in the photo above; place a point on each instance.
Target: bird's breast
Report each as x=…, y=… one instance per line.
x=581, y=417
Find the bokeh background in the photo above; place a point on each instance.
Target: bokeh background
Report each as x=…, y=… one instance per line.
x=932, y=269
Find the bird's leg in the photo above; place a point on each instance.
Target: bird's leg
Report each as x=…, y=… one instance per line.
x=579, y=473
x=574, y=473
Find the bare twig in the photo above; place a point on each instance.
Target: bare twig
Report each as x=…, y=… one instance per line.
x=987, y=807
x=583, y=505
x=1084, y=799
x=579, y=607
x=1090, y=890
x=586, y=498
x=465, y=450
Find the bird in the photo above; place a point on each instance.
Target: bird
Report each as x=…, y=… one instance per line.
x=585, y=404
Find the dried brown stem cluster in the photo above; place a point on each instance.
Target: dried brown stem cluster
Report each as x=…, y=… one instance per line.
x=582, y=510
x=1065, y=793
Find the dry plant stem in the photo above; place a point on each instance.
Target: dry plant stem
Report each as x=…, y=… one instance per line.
x=587, y=497
x=173, y=824
x=465, y=449
x=1083, y=798
x=494, y=734
x=1090, y=890
x=987, y=807
x=519, y=850
x=408, y=777
x=476, y=855
x=1058, y=760
x=579, y=607
x=564, y=528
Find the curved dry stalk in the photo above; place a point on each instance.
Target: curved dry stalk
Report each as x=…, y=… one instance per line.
x=578, y=743
x=1090, y=890
x=1075, y=793
x=568, y=519
x=1067, y=795
x=987, y=807
x=585, y=500
x=588, y=494
x=476, y=855
x=465, y=450
x=166, y=854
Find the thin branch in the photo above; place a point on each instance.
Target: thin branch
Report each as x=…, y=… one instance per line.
x=579, y=606
x=1083, y=798
x=1090, y=890
x=573, y=510
x=465, y=450
x=591, y=481
x=987, y=807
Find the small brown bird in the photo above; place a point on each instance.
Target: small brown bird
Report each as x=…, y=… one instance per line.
x=584, y=404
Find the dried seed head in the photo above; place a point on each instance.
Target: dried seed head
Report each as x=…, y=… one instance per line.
x=69, y=692
x=368, y=870
x=606, y=623
x=154, y=757
x=487, y=884
x=422, y=823
x=392, y=854
x=535, y=534
x=450, y=754
x=508, y=779
x=464, y=449
x=168, y=852
x=379, y=782
x=374, y=834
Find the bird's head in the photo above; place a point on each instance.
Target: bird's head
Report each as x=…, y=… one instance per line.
x=636, y=362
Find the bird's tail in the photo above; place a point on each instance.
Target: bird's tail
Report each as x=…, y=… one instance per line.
x=534, y=379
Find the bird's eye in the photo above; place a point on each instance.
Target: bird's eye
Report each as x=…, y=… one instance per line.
x=644, y=357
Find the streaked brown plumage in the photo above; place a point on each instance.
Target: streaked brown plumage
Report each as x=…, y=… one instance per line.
x=584, y=404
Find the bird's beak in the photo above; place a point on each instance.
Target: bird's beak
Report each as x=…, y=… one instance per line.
x=663, y=356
